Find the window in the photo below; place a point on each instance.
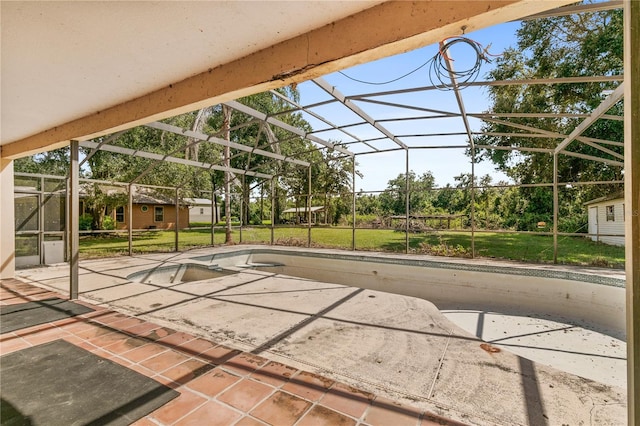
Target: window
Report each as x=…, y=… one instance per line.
x=120, y=214
x=201, y=210
x=158, y=214
x=611, y=217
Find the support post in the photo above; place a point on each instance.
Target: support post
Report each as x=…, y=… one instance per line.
x=7, y=221
x=555, y=208
x=130, y=218
x=406, y=202
x=74, y=223
x=177, y=219
x=273, y=208
x=242, y=206
x=309, y=208
x=213, y=215
x=353, y=187
x=632, y=203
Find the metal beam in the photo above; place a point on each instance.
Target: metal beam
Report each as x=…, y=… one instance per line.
x=154, y=156
x=591, y=157
x=570, y=10
x=514, y=82
x=264, y=117
x=333, y=126
x=206, y=138
x=107, y=141
x=323, y=84
x=604, y=106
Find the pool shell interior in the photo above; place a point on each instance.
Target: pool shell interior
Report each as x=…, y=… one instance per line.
x=377, y=321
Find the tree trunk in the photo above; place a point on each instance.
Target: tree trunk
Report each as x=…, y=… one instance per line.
x=226, y=125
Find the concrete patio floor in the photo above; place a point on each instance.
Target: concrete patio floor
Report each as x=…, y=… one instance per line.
x=510, y=370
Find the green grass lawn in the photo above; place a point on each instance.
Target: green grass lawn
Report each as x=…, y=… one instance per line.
x=522, y=247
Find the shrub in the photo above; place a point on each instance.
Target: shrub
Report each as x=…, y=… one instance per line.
x=85, y=222
x=108, y=223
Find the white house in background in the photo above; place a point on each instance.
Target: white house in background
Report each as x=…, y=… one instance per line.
x=200, y=210
x=606, y=219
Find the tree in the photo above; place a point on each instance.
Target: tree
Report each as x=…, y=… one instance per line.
x=393, y=199
x=574, y=45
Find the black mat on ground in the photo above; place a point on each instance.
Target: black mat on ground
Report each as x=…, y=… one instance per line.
x=23, y=315
x=58, y=383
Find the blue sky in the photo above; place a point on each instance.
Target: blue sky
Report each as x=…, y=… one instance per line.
x=378, y=169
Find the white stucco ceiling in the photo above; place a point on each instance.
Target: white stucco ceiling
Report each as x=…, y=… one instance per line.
x=63, y=60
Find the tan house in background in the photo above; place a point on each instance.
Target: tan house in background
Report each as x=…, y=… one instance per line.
x=150, y=210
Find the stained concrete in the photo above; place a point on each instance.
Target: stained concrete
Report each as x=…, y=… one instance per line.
x=402, y=346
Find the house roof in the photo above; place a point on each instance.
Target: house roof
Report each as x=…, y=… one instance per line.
x=303, y=209
x=610, y=197
x=197, y=201
x=141, y=195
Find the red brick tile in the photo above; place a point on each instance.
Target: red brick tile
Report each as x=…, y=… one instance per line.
x=164, y=361
x=323, y=416
x=81, y=343
x=274, y=373
x=178, y=407
x=187, y=371
x=158, y=333
x=108, y=339
x=102, y=353
x=245, y=394
x=213, y=382
x=76, y=327
x=142, y=370
x=196, y=346
x=308, y=385
x=93, y=331
x=121, y=361
x=125, y=345
x=281, y=409
x=166, y=381
x=144, y=352
x=211, y=414
x=45, y=336
x=347, y=400
x=107, y=317
x=8, y=346
x=219, y=354
x=142, y=329
x=144, y=422
x=387, y=412
x=34, y=329
x=176, y=339
x=249, y=421
x=126, y=323
x=245, y=363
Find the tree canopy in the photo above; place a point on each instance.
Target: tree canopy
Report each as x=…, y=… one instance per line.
x=587, y=44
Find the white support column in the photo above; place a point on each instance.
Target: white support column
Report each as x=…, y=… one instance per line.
x=632, y=202
x=74, y=220
x=7, y=221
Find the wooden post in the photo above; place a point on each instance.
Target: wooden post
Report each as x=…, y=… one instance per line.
x=632, y=202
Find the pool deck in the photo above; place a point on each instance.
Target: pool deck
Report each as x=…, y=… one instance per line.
x=400, y=351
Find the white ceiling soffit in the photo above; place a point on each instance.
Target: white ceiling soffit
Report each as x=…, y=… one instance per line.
x=63, y=59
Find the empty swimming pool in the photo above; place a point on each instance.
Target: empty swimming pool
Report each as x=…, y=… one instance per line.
x=425, y=330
